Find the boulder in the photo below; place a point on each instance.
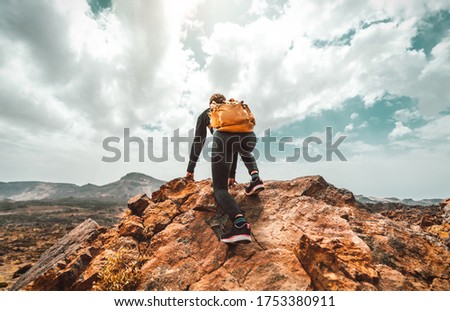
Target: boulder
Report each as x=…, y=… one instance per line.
x=60, y=265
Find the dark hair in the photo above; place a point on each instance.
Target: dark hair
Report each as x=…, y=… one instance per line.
x=218, y=98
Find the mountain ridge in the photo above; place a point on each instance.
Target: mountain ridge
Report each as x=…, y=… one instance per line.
x=15, y=191
x=119, y=190
x=408, y=201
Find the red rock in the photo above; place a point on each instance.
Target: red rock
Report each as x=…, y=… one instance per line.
x=157, y=216
x=132, y=226
x=138, y=204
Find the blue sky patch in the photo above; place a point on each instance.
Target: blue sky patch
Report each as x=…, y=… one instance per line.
x=345, y=39
x=431, y=31
x=365, y=25
x=97, y=6
x=369, y=124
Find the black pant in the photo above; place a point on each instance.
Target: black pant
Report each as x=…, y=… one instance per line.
x=225, y=145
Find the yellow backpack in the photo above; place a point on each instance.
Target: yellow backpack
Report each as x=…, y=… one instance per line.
x=232, y=116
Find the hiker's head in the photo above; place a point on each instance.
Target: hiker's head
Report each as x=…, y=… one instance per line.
x=217, y=98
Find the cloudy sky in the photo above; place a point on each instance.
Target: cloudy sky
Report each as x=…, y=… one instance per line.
x=73, y=73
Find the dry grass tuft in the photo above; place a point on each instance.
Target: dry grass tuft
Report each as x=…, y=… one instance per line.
x=120, y=273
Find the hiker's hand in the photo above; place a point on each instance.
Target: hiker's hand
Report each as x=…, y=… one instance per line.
x=189, y=176
x=231, y=182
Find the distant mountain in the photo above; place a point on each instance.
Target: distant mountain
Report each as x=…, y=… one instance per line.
x=128, y=186
x=374, y=200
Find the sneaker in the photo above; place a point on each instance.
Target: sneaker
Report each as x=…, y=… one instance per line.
x=237, y=235
x=255, y=187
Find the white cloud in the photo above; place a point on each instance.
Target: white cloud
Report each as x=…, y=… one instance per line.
x=431, y=86
x=122, y=65
x=437, y=130
x=349, y=127
x=83, y=79
x=258, y=7
x=399, y=131
x=405, y=115
x=261, y=60
x=122, y=71
x=354, y=116
x=363, y=125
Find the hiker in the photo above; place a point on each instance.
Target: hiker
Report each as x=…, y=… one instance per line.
x=203, y=122
x=234, y=123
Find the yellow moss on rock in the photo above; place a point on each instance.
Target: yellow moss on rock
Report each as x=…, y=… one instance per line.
x=443, y=231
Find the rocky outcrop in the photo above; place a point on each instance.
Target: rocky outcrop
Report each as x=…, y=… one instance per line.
x=433, y=219
x=307, y=235
x=60, y=265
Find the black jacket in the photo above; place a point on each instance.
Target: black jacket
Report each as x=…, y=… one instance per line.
x=199, y=140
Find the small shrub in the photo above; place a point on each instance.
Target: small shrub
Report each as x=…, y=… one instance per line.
x=118, y=274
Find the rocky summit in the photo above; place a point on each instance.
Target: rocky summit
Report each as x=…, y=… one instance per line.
x=307, y=235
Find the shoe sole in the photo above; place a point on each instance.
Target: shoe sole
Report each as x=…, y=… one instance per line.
x=257, y=189
x=238, y=239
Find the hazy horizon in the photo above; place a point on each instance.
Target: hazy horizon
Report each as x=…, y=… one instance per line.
x=242, y=181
